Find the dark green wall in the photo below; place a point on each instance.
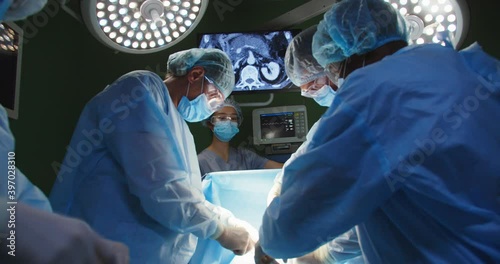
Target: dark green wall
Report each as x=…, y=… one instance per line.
x=64, y=66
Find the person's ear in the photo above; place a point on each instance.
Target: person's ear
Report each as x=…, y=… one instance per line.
x=195, y=74
x=210, y=126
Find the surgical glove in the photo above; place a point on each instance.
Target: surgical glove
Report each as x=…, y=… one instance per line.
x=319, y=256
x=43, y=237
x=236, y=239
x=261, y=257
x=236, y=222
x=222, y=213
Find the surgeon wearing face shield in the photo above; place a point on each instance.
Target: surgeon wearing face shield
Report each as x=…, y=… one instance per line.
x=220, y=156
x=305, y=72
x=131, y=169
x=397, y=154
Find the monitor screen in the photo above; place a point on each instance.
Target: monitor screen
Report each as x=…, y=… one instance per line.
x=283, y=124
x=258, y=58
x=10, y=67
x=277, y=125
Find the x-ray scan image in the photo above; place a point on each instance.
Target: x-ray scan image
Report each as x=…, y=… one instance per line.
x=258, y=58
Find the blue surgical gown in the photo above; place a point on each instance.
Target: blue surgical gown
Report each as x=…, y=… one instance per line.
x=407, y=152
x=132, y=173
x=22, y=190
x=239, y=159
x=342, y=249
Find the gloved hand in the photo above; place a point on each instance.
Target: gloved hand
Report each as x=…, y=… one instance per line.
x=236, y=222
x=43, y=237
x=261, y=257
x=236, y=239
x=318, y=256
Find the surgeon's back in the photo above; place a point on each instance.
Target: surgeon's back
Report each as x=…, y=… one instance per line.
x=435, y=119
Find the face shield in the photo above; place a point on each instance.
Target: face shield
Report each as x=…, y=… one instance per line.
x=214, y=95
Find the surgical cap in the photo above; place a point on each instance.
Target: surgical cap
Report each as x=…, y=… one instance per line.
x=230, y=103
x=20, y=9
x=356, y=27
x=300, y=65
x=217, y=65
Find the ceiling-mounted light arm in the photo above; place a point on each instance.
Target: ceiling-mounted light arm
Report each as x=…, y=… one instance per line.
x=416, y=26
x=151, y=10
x=442, y=22
x=300, y=14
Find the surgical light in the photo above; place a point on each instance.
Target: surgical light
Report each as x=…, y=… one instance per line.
x=8, y=39
x=142, y=26
x=429, y=19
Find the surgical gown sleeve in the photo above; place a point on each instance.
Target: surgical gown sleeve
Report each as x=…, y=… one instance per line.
x=391, y=150
x=151, y=144
x=324, y=192
x=278, y=180
x=24, y=190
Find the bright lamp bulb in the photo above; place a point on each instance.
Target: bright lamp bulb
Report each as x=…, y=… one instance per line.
x=142, y=26
x=427, y=19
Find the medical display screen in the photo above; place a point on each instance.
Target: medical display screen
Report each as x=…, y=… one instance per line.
x=277, y=125
x=257, y=57
x=282, y=124
x=10, y=67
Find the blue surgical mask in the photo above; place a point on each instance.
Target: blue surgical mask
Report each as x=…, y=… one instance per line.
x=197, y=109
x=225, y=130
x=325, y=96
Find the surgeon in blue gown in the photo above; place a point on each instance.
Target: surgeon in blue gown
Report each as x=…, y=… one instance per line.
x=305, y=72
x=405, y=151
x=131, y=169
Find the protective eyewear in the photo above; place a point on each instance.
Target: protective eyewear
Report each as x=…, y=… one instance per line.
x=214, y=95
x=332, y=70
x=312, y=90
x=216, y=118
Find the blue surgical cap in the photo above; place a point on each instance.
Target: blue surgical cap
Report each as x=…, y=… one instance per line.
x=300, y=65
x=4, y=5
x=230, y=103
x=236, y=106
x=217, y=65
x=21, y=9
x=356, y=27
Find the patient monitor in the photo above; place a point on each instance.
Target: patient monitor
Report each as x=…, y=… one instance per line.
x=281, y=129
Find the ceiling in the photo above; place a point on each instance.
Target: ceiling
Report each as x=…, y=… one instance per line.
x=249, y=15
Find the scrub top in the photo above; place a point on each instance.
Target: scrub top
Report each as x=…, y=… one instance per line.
x=239, y=159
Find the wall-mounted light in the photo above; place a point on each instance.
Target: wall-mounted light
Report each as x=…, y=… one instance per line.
x=8, y=39
x=429, y=19
x=11, y=43
x=142, y=26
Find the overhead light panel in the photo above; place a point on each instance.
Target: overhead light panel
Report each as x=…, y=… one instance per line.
x=9, y=39
x=432, y=21
x=142, y=26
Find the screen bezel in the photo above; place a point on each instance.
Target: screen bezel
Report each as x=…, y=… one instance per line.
x=256, y=113
x=288, y=88
x=14, y=112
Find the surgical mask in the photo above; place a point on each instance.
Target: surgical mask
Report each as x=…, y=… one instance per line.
x=325, y=96
x=225, y=130
x=195, y=110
